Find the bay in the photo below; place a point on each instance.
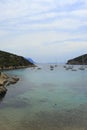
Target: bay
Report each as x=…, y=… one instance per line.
x=45, y=99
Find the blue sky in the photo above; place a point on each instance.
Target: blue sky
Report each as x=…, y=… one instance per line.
x=45, y=30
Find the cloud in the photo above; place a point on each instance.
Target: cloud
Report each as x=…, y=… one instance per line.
x=34, y=15
x=37, y=25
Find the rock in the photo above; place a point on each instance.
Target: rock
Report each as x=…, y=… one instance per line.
x=13, y=80
x=5, y=80
x=3, y=91
x=3, y=75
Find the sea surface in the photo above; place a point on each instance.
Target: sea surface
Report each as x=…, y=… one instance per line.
x=45, y=99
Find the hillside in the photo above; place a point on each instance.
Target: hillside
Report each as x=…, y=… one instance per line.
x=12, y=61
x=80, y=60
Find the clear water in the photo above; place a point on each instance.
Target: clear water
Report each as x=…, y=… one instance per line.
x=45, y=100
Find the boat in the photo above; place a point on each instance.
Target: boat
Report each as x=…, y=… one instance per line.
x=56, y=65
x=73, y=69
x=82, y=66
x=51, y=67
x=68, y=67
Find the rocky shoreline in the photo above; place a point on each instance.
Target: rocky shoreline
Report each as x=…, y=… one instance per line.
x=16, y=67
x=6, y=80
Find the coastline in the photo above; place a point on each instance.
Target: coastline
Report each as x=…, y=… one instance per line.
x=44, y=99
x=16, y=67
x=6, y=80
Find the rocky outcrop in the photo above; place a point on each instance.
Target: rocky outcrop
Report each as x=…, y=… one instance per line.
x=80, y=60
x=6, y=80
x=11, y=61
x=12, y=80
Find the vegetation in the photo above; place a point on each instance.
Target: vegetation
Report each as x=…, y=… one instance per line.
x=8, y=60
x=80, y=60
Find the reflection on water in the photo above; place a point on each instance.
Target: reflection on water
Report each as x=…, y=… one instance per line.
x=45, y=100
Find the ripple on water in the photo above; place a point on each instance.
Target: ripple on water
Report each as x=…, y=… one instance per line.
x=73, y=119
x=18, y=103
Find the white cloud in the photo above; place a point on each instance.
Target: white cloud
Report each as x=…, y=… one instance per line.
x=80, y=12
x=33, y=27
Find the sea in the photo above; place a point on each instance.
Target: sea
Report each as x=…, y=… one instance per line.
x=47, y=97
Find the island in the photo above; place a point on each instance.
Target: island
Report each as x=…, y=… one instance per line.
x=80, y=60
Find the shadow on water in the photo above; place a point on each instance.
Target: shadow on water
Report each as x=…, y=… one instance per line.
x=2, y=97
x=17, y=103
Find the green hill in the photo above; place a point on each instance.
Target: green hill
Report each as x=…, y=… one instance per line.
x=80, y=60
x=12, y=61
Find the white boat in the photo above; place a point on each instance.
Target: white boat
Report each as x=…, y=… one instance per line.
x=73, y=69
x=82, y=66
x=68, y=67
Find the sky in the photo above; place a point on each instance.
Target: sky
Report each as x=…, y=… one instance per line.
x=44, y=30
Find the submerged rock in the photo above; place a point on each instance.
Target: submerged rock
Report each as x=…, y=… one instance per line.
x=13, y=80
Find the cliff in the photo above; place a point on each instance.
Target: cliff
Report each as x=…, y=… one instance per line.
x=80, y=60
x=12, y=61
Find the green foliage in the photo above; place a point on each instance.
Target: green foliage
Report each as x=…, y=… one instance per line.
x=80, y=60
x=8, y=59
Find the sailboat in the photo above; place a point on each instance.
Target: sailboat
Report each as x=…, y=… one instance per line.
x=68, y=67
x=56, y=63
x=74, y=69
x=82, y=66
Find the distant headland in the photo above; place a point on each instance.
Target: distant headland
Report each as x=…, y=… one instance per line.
x=11, y=61
x=80, y=60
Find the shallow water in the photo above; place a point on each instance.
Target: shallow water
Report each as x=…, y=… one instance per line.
x=45, y=100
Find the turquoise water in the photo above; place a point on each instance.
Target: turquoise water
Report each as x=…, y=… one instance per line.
x=45, y=100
